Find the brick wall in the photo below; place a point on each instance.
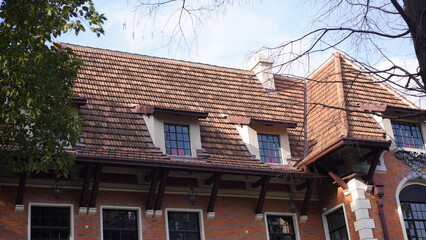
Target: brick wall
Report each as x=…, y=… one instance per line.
x=331, y=196
x=235, y=218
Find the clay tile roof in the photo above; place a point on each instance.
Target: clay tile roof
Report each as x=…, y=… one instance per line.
x=112, y=82
x=341, y=84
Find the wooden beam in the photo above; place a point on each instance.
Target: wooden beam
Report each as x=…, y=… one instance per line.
x=152, y=190
x=213, y=195
x=338, y=180
x=373, y=165
x=262, y=194
x=307, y=198
x=84, y=198
x=301, y=186
x=161, y=189
x=148, y=177
x=257, y=183
x=95, y=186
x=210, y=180
x=21, y=188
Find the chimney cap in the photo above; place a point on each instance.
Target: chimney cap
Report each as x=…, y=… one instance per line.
x=258, y=58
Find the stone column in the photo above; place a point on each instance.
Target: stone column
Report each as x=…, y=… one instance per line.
x=360, y=204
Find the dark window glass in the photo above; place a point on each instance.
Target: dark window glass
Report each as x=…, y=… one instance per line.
x=337, y=225
x=177, y=140
x=183, y=226
x=413, y=205
x=407, y=135
x=281, y=228
x=120, y=224
x=269, y=148
x=50, y=223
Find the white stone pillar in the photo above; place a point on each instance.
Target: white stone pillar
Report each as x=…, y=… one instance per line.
x=360, y=204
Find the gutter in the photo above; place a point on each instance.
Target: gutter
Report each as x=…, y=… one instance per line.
x=195, y=167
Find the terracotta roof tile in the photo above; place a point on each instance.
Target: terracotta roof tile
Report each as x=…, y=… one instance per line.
x=113, y=81
x=340, y=77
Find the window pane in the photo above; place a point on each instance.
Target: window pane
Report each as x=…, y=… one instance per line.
x=269, y=148
x=281, y=227
x=407, y=134
x=120, y=224
x=177, y=140
x=50, y=223
x=183, y=226
x=337, y=225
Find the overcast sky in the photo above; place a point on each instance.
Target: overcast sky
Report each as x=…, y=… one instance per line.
x=227, y=38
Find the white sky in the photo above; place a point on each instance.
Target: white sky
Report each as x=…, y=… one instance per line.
x=226, y=39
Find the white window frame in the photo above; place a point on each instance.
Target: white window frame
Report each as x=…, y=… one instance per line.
x=109, y=207
x=53, y=205
x=403, y=184
x=325, y=222
x=186, y=210
x=295, y=223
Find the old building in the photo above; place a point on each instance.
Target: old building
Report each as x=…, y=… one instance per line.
x=181, y=150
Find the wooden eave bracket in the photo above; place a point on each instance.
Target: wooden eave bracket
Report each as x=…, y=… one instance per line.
x=153, y=202
x=373, y=165
x=338, y=180
x=164, y=175
x=149, y=110
x=19, y=207
x=261, y=199
x=210, y=209
x=88, y=197
x=306, y=201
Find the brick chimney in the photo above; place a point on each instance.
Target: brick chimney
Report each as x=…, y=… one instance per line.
x=262, y=67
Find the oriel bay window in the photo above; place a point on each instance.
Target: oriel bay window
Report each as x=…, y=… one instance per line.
x=177, y=140
x=280, y=227
x=50, y=223
x=269, y=148
x=120, y=224
x=183, y=225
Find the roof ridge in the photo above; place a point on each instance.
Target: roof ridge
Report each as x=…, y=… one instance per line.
x=154, y=57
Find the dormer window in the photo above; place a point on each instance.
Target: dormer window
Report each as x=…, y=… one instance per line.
x=268, y=141
x=269, y=148
x=176, y=138
x=407, y=135
x=176, y=133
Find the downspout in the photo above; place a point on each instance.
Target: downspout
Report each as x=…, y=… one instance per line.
x=305, y=119
x=378, y=190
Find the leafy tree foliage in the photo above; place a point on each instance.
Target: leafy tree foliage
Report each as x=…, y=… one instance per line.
x=38, y=122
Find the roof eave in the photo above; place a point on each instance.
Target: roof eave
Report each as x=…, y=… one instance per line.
x=344, y=141
x=194, y=167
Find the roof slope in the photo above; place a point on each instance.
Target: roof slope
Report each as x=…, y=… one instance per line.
x=335, y=91
x=112, y=81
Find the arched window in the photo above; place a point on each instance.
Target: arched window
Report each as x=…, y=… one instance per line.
x=413, y=206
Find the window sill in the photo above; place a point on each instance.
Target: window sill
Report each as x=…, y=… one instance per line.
x=186, y=158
